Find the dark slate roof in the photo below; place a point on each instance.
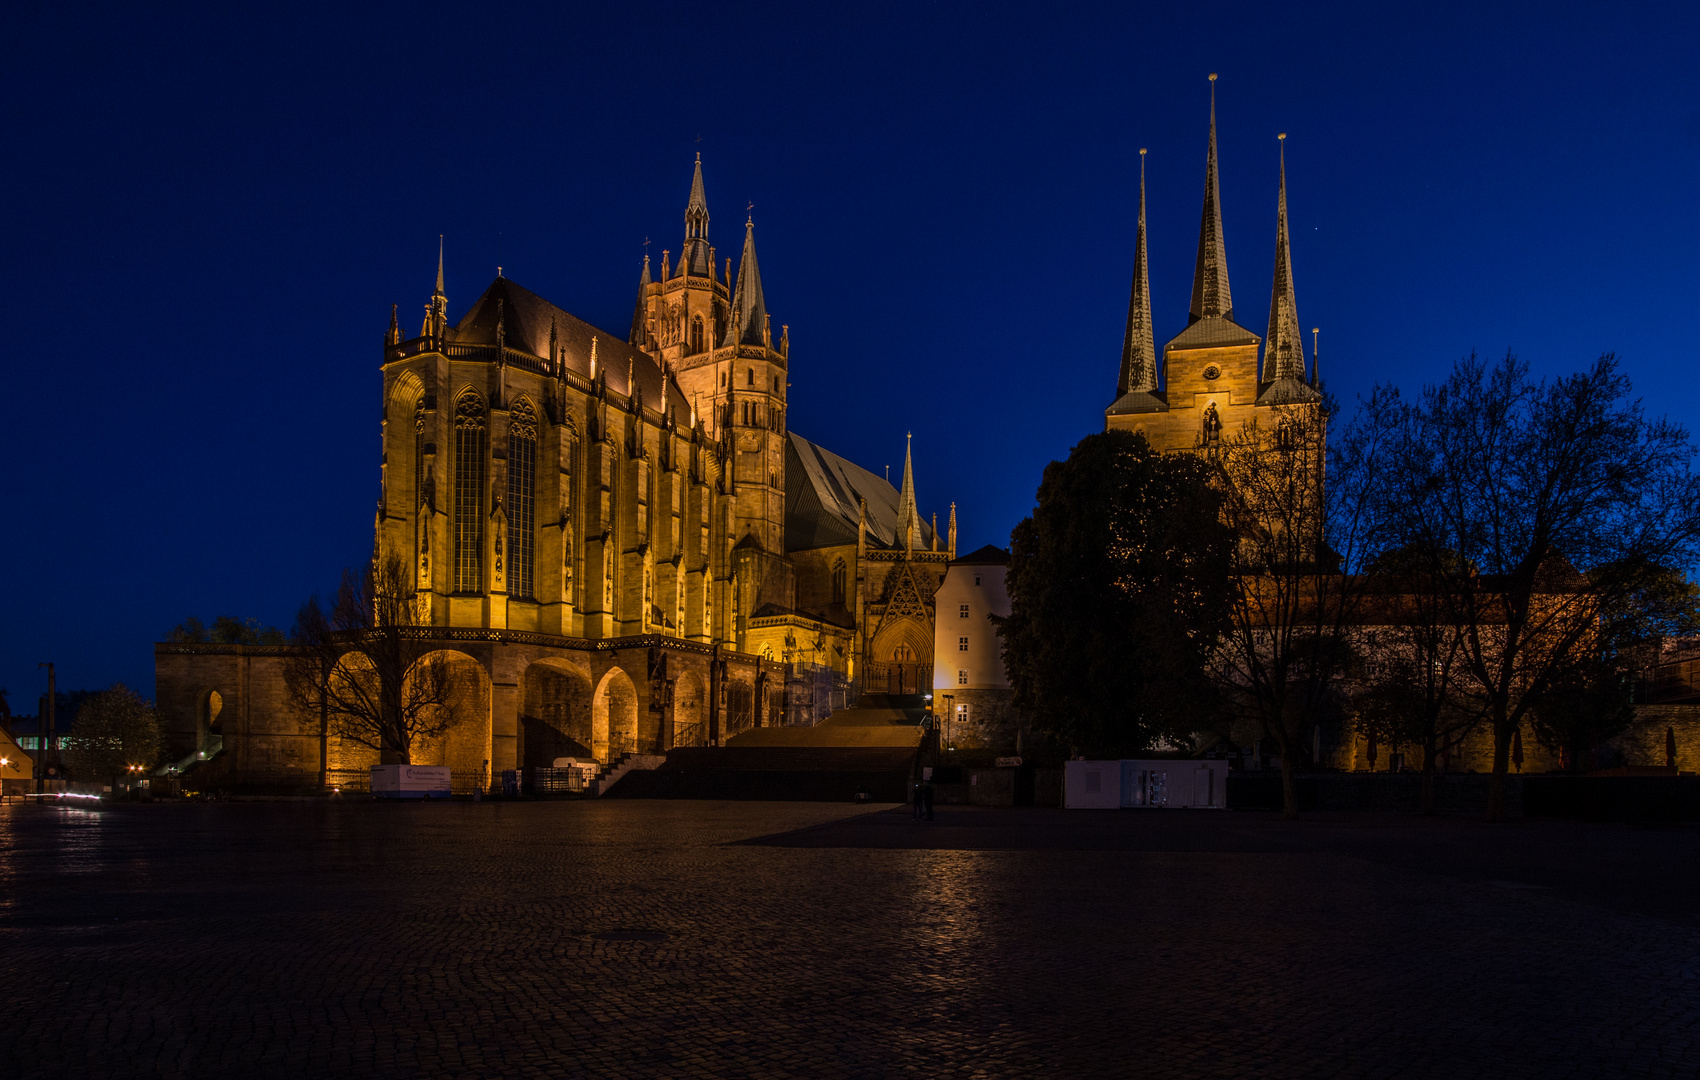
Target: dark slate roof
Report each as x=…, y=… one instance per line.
x=1288, y=392
x=525, y=323
x=986, y=556
x=1136, y=401
x=749, y=306
x=1212, y=332
x=821, y=490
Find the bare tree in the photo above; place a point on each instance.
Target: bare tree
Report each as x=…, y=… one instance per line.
x=368, y=667
x=1303, y=514
x=1540, y=507
x=1412, y=686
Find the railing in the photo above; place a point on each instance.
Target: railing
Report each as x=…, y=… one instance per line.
x=459, y=633
x=571, y=780
x=214, y=746
x=687, y=734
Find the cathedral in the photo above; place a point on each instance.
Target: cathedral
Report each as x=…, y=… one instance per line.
x=621, y=535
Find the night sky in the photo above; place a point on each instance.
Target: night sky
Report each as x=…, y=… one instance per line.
x=208, y=214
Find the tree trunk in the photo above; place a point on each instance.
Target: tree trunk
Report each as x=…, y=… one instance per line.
x=1501, y=765
x=1429, y=754
x=1289, y=790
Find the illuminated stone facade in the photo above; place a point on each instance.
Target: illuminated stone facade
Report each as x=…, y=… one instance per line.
x=1210, y=384
x=621, y=538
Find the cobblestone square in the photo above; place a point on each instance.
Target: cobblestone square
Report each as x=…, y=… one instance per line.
x=747, y=939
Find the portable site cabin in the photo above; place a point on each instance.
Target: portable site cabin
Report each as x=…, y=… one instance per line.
x=1108, y=785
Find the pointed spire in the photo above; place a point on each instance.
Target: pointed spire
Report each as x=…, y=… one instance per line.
x=694, y=256
x=1284, y=347
x=640, y=313
x=437, y=311
x=1139, y=349
x=935, y=530
x=953, y=530
x=1210, y=297
x=394, y=334
x=1315, y=357
x=907, y=516
x=749, y=307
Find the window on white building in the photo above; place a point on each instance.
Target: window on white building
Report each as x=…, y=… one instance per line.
x=962, y=714
x=962, y=644
x=964, y=613
x=962, y=678
x=976, y=579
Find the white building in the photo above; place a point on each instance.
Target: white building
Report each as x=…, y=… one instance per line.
x=971, y=693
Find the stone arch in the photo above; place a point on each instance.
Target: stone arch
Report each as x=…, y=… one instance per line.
x=903, y=635
x=901, y=655
x=406, y=392
x=614, y=716
x=465, y=747
x=555, y=712
x=690, y=710
x=348, y=762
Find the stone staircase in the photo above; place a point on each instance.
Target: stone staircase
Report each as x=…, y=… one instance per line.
x=620, y=766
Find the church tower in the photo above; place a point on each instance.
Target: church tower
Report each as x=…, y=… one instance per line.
x=1212, y=383
x=712, y=332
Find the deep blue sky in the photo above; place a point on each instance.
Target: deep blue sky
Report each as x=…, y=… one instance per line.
x=208, y=214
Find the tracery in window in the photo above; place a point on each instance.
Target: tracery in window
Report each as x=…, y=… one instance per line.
x=471, y=443
x=522, y=499
x=696, y=335
x=838, y=581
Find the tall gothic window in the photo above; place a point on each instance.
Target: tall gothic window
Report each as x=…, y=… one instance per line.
x=471, y=441
x=696, y=335
x=838, y=581
x=418, y=453
x=522, y=500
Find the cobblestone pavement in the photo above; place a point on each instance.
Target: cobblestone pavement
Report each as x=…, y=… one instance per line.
x=636, y=938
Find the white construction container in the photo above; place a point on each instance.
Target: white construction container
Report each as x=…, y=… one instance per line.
x=1092, y=785
x=410, y=781
x=1145, y=784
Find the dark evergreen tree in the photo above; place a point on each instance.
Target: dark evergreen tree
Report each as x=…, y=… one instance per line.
x=1120, y=588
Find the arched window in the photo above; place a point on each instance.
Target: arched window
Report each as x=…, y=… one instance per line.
x=776, y=384
x=522, y=500
x=746, y=414
x=722, y=378
x=751, y=380
x=696, y=335
x=471, y=444
x=419, y=452
x=838, y=581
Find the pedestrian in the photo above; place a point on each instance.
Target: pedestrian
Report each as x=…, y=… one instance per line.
x=927, y=796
